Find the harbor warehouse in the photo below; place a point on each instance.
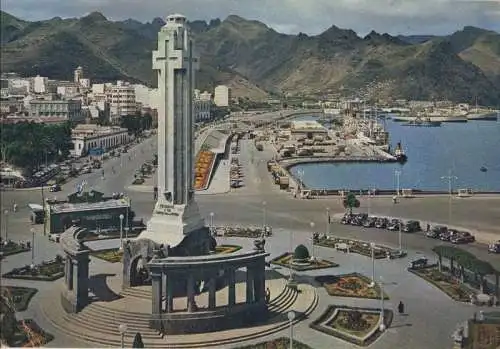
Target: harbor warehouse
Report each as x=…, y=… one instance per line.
x=95, y=216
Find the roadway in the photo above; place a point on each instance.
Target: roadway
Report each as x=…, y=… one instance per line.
x=244, y=206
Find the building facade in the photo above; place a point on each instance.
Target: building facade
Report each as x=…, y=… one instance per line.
x=63, y=110
x=88, y=136
x=222, y=96
x=122, y=100
x=202, y=110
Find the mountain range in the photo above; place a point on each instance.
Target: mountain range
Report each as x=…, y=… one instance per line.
x=256, y=61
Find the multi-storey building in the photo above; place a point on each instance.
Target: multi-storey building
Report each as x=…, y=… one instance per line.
x=122, y=100
x=202, y=110
x=40, y=84
x=222, y=96
x=88, y=136
x=56, y=110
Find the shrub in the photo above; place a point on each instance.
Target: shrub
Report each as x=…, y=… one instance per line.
x=301, y=253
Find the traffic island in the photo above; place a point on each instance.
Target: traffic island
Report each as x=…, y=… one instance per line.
x=112, y=255
x=360, y=326
x=19, y=297
x=360, y=247
x=277, y=343
x=226, y=249
x=46, y=271
x=27, y=334
x=241, y=232
x=445, y=282
x=287, y=260
x=9, y=247
x=350, y=285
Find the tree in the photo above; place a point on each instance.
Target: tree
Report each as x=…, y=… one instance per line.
x=350, y=202
x=138, y=341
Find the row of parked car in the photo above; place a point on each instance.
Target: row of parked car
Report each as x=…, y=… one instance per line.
x=412, y=226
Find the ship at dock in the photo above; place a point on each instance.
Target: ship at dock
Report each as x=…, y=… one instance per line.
x=400, y=154
x=420, y=121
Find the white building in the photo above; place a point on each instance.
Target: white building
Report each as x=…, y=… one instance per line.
x=88, y=136
x=146, y=96
x=98, y=88
x=19, y=86
x=68, y=90
x=122, y=101
x=40, y=84
x=56, y=110
x=206, y=96
x=78, y=75
x=222, y=96
x=202, y=110
x=85, y=83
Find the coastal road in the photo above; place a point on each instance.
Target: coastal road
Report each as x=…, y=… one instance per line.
x=244, y=206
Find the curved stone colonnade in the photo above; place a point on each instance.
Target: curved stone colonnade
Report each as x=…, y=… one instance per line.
x=167, y=273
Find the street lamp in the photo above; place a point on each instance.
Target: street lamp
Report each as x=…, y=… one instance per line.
x=449, y=178
x=312, y=238
x=122, y=328
x=372, y=246
x=211, y=222
x=264, y=215
x=32, y=247
x=382, y=320
x=328, y=220
x=397, y=173
x=121, y=231
x=6, y=212
x=291, y=317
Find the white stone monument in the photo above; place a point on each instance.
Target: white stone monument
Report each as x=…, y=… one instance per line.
x=176, y=214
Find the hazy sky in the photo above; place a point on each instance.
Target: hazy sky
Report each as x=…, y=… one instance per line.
x=289, y=16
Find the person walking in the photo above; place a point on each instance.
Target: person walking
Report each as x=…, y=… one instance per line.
x=401, y=308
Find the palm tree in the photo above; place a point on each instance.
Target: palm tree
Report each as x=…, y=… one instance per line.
x=350, y=202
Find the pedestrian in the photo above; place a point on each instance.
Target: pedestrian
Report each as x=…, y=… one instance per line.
x=394, y=199
x=428, y=227
x=14, y=207
x=401, y=307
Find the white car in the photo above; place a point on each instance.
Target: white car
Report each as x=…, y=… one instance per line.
x=54, y=237
x=494, y=247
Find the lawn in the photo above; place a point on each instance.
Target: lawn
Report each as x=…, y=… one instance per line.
x=226, y=249
x=285, y=259
x=37, y=337
x=350, y=285
x=12, y=248
x=46, y=271
x=112, y=255
x=20, y=296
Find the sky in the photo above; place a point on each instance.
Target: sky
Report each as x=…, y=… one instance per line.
x=405, y=17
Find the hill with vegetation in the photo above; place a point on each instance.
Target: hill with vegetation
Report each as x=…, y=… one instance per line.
x=256, y=61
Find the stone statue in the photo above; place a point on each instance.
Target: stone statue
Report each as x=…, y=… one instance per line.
x=259, y=244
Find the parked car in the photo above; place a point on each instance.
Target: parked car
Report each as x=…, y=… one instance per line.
x=346, y=219
x=411, y=227
x=494, y=247
x=449, y=234
x=394, y=225
x=359, y=219
x=381, y=223
x=55, y=188
x=54, y=237
x=462, y=238
x=436, y=231
x=418, y=263
x=370, y=222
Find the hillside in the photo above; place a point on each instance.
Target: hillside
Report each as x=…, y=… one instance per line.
x=254, y=59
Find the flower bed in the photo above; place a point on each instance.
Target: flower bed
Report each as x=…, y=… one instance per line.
x=278, y=343
x=112, y=255
x=20, y=296
x=202, y=169
x=241, y=232
x=8, y=248
x=285, y=259
x=46, y=271
x=445, y=283
x=38, y=337
x=226, y=249
x=359, y=326
x=359, y=247
x=350, y=285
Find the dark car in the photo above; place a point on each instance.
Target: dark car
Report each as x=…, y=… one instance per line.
x=55, y=188
x=418, y=263
x=462, y=238
x=359, y=219
x=449, y=234
x=436, y=231
x=370, y=222
x=411, y=227
x=346, y=219
x=381, y=223
x=394, y=225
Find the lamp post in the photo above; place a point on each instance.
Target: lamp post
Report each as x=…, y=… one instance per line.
x=264, y=214
x=211, y=222
x=32, y=248
x=121, y=231
x=328, y=220
x=312, y=238
x=399, y=235
x=397, y=173
x=372, y=246
x=291, y=317
x=6, y=213
x=449, y=178
x=382, y=320
x=122, y=328
x=301, y=177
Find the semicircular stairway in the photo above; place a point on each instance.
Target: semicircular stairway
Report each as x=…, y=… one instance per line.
x=98, y=323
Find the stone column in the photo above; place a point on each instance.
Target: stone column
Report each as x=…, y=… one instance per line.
x=211, y=293
x=82, y=282
x=67, y=263
x=156, y=293
x=231, y=287
x=259, y=274
x=71, y=269
x=249, y=284
x=169, y=294
x=190, y=294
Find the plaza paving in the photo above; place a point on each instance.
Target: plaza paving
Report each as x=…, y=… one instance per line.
x=430, y=311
